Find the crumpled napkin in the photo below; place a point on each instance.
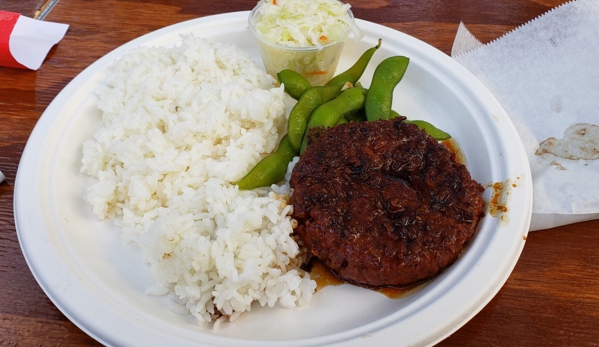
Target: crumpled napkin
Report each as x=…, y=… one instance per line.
x=546, y=76
x=25, y=42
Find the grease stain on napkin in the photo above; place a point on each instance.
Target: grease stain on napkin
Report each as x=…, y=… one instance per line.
x=580, y=141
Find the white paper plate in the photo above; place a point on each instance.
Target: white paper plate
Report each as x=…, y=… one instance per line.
x=98, y=282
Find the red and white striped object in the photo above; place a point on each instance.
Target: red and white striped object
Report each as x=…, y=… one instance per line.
x=25, y=42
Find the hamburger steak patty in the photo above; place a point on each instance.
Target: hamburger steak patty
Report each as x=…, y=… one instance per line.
x=383, y=203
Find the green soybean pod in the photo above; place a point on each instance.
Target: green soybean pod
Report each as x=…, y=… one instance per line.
x=271, y=169
x=329, y=113
x=342, y=120
x=430, y=129
x=295, y=84
x=286, y=149
x=354, y=73
x=393, y=114
x=380, y=94
x=300, y=113
x=356, y=116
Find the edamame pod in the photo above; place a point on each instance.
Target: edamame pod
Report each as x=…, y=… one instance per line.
x=342, y=120
x=271, y=169
x=354, y=73
x=295, y=84
x=380, y=94
x=430, y=129
x=300, y=113
x=393, y=114
x=328, y=114
x=356, y=116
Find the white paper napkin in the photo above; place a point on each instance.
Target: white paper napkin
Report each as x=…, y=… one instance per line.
x=1, y=177
x=546, y=76
x=25, y=42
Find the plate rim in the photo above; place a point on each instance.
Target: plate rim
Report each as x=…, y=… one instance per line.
x=47, y=118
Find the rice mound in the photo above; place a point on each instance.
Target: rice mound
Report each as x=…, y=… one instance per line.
x=178, y=125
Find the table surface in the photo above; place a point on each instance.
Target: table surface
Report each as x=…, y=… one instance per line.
x=551, y=298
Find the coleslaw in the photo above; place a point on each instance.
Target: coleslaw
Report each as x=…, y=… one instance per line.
x=306, y=36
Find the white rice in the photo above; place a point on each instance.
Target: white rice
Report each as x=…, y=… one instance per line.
x=179, y=125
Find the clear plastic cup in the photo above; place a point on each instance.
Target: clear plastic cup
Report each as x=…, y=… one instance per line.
x=317, y=64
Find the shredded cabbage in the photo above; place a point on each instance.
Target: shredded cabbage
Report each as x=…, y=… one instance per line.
x=305, y=23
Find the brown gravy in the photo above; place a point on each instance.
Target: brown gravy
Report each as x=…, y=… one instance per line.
x=454, y=148
x=325, y=277
x=496, y=205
